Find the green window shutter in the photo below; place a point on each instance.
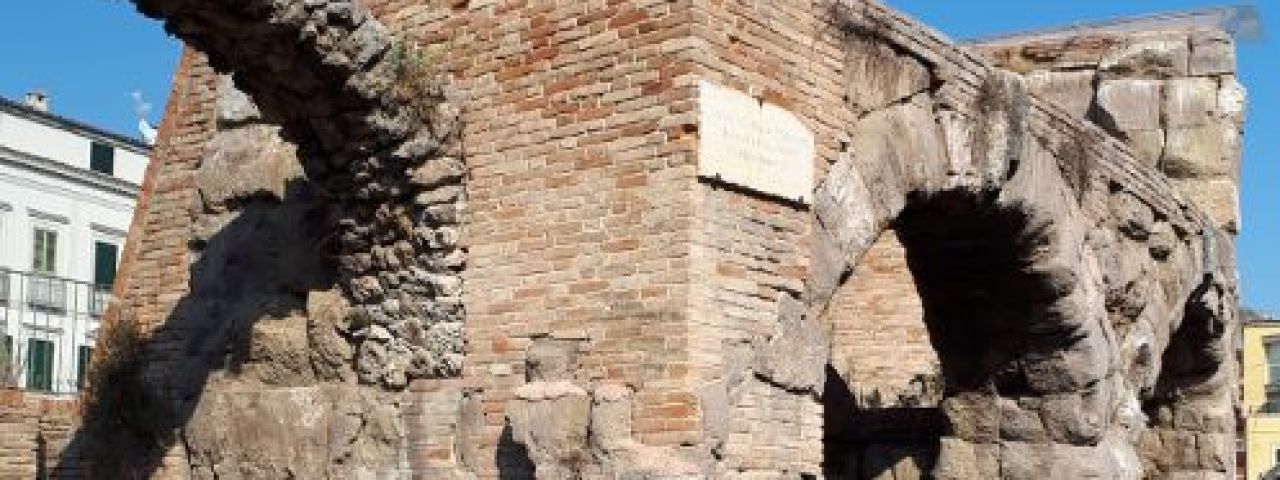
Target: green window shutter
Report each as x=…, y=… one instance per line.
x=102, y=158
x=39, y=364
x=104, y=264
x=6, y=359
x=82, y=369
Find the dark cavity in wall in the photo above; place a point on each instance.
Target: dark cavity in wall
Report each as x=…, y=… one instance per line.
x=983, y=306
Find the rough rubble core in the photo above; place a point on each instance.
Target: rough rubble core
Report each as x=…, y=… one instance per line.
x=1080, y=304
x=390, y=179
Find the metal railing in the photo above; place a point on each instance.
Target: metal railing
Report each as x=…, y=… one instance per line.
x=46, y=325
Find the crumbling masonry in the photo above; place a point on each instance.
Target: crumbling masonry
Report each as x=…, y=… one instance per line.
x=675, y=239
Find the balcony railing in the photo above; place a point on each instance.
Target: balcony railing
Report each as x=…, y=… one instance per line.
x=47, y=292
x=47, y=324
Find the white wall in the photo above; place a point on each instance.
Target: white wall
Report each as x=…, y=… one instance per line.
x=64, y=146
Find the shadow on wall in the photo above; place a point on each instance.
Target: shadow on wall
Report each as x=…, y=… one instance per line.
x=258, y=267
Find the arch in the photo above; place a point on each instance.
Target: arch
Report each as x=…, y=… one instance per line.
x=1022, y=254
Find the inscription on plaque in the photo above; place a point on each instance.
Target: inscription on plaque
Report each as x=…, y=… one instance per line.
x=753, y=145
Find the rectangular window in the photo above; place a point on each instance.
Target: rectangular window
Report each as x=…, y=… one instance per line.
x=104, y=264
x=85, y=354
x=8, y=365
x=39, y=364
x=44, y=257
x=102, y=158
x=1273, y=363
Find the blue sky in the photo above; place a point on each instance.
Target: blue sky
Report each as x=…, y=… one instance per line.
x=98, y=53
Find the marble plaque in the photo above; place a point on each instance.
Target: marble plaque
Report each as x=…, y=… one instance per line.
x=754, y=145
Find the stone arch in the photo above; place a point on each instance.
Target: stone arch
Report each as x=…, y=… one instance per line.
x=1002, y=231
x=379, y=144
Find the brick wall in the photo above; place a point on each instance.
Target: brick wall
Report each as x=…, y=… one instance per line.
x=580, y=176
x=588, y=228
x=36, y=435
x=155, y=269
x=880, y=343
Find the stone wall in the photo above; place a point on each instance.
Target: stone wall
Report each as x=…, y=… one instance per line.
x=318, y=250
x=1172, y=96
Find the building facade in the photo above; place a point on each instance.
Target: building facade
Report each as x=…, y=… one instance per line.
x=1261, y=386
x=67, y=193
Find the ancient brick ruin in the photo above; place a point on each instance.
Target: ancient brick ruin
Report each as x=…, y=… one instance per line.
x=489, y=239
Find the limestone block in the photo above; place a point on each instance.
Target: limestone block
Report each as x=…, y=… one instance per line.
x=1190, y=102
x=244, y=163
x=877, y=76
x=234, y=107
x=1212, y=53
x=1130, y=104
x=278, y=352
x=1198, y=152
x=1158, y=55
x=1071, y=90
x=961, y=460
x=1219, y=197
x=1147, y=145
x=1231, y=100
x=1018, y=423
x=551, y=420
x=796, y=355
x=552, y=359
x=974, y=416
x=900, y=149
x=332, y=431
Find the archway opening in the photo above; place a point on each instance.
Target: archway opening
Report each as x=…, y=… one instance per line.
x=947, y=302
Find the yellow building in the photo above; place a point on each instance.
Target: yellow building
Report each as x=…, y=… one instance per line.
x=1261, y=403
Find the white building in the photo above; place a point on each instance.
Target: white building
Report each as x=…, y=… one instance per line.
x=67, y=193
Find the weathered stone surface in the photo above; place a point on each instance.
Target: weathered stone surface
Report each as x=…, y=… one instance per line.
x=1201, y=152
x=1190, y=102
x=335, y=431
x=1212, y=53
x=234, y=106
x=1127, y=105
x=246, y=163
x=1049, y=334
x=1159, y=55
x=1218, y=197
x=879, y=76
x=1073, y=91
x=794, y=356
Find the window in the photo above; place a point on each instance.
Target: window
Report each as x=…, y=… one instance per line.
x=104, y=276
x=39, y=364
x=8, y=366
x=102, y=158
x=44, y=258
x=82, y=368
x=104, y=264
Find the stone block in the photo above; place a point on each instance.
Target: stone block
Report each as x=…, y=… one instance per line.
x=1147, y=145
x=1130, y=104
x=1218, y=197
x=1190, y=102
x=1201, y=152
x=878, y=76
x=1071, y=90
x=1213, y=52
x=1155, y=55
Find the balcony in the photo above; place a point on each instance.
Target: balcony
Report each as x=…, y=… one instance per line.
x=47, y=329
x=46, y=292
